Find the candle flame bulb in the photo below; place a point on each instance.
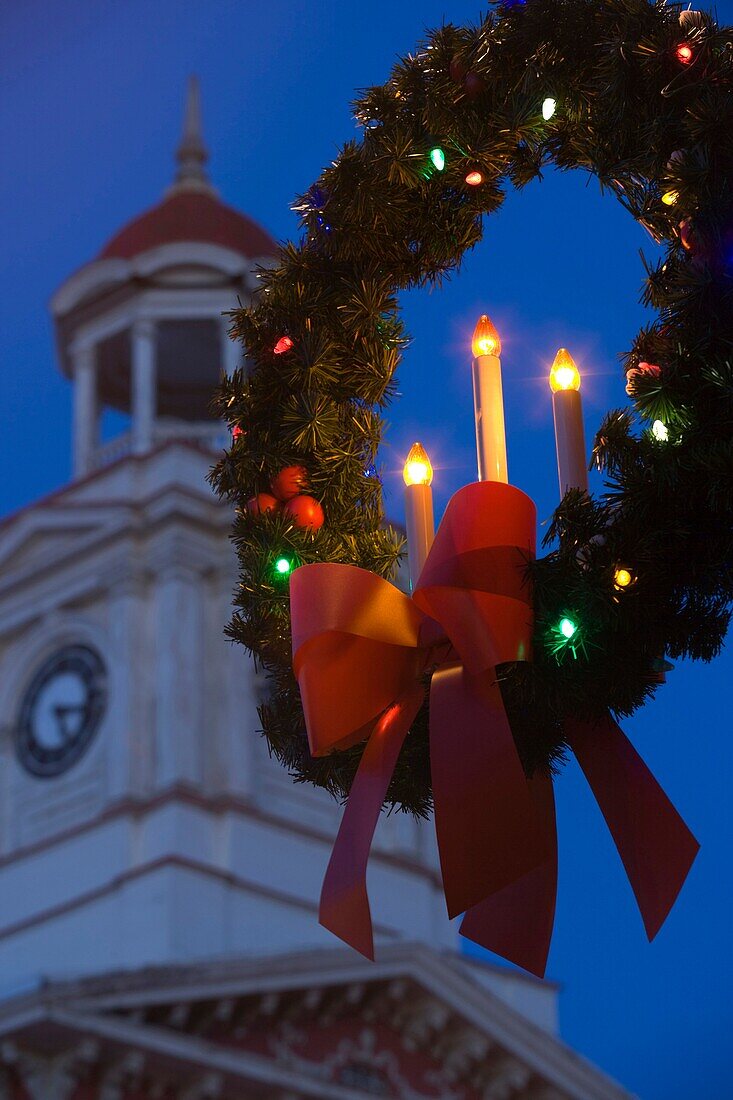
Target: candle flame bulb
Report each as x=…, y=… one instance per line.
x=418, y=469
x=485, y=338
x=564, y=374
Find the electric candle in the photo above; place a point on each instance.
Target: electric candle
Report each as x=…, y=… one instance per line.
x=488, y=403
x=418, y=476
x=568, y=413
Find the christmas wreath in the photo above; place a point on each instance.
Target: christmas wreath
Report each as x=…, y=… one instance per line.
x=641, y=96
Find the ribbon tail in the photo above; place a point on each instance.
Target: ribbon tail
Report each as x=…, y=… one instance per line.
x=517, y=922
x=344, y=908
x=656, y=847
x=488, y=830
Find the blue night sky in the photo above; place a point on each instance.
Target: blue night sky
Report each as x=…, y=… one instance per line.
x=90, y=114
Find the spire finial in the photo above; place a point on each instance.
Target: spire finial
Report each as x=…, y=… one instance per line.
x=192, y=154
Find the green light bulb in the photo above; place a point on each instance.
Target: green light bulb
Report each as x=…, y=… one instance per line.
x=567, y=628
x=283, y=566
x=438, y=158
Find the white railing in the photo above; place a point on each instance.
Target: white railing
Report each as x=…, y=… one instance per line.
x=113, y=450
x=209, y=434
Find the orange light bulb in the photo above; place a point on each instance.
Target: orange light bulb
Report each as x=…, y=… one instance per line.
x=473, y=179
x=623, y=577
x=418, y=469
x=564, y=374
x=485, y=338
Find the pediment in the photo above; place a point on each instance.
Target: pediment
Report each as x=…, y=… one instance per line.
x=44, y=536
x=412, y=1028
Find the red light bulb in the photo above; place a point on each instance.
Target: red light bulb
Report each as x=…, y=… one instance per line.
x=284, y=344
x=473, y=179
x=684, y=54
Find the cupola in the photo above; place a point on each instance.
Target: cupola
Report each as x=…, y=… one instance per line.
x=142, y=327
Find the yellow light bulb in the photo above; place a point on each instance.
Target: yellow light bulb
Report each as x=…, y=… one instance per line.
x=485, y=338
x=622, y=578
x=564, y=375
x=669, y=198
x=418, y=469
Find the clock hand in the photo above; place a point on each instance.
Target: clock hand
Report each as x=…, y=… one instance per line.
x=63, y=713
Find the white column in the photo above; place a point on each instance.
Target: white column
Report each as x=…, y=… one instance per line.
x=180, y=675
x=130, y=686
x=144, y=385
x=86, y=410
x=232, y=352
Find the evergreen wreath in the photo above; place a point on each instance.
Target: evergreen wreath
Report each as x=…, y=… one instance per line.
x=644, y=102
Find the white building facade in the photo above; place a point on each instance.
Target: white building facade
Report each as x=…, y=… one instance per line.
x=159, y=873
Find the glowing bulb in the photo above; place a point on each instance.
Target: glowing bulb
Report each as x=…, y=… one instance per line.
x=684, y=54
x=622, y=578
x=284, y=344
x=473, y=179
x=418, y=469
x=485, y=338
x=549, y=107
x=283, y=566
x=564, y=375
x=567, y=628
x=438, y=158
x=660, y=431
x=669, y=198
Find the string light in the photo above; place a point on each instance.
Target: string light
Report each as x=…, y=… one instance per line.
x=567, y=628
x=564, y=374
x=283, y=566
x=660, y=431
x=684, y=53
x=549, y=106
x=623, y=577
x=284, y=344
x=437, y=156
x=418, y=469
x=566, y=636
x=669, y=198
x=485, y=338
x=473, y=179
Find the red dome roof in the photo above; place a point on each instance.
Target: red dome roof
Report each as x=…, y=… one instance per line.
x=190, y=216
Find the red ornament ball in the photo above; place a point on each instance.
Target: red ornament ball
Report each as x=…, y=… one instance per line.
x=474, y=86
x=262, y=504
x=458, y=70
x=305, y=512
x=289, y=482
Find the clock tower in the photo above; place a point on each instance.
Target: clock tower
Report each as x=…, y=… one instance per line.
x=141, y=818
x=159, y=873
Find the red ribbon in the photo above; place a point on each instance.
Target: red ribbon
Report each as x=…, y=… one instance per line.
x=361, y=649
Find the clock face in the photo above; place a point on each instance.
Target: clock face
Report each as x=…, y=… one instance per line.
x=61, y=711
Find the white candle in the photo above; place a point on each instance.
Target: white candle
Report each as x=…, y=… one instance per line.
x=418, y=475
x=488, y=403
x=567, y=407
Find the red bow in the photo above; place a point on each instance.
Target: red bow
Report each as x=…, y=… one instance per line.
x=361, y=651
